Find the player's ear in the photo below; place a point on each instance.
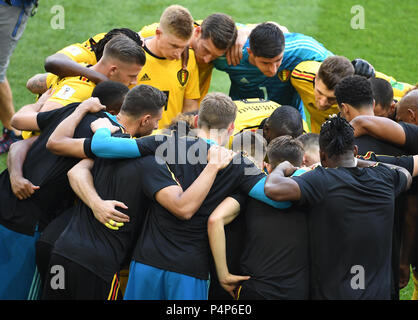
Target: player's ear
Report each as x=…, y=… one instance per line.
x=268, y=167
x=112, y=70
x=411, y=115
x=249, y=51
x=195, y=121
x=197, y=31
x=355, y=150
x=158, y=32
x=304, y=159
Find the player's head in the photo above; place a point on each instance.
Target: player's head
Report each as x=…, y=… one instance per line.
x=331, y=72
x=266, y=48
x=336, y=142
x=407, y=108
x=183, y=122
x=284, y=148
x=252, y=144
x=285, y=120
x=122, y=60
x=174, y=32
x=216, y=116
x=354, y=97
x=142, y=109
x=310, y=142
x=383, y=97
x=98, y=47
x=111, y=94
x=214, y=37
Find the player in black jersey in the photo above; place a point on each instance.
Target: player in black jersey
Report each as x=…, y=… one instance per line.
x=350, y=214
x=275, y=255
x=35, y=188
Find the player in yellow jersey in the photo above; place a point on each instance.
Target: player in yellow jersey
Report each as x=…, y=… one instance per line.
x=72, y=60
x=122, y=61
x=315, y=82
x=211, y=38
x=164, y=67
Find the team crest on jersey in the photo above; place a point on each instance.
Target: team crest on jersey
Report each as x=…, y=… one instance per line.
x=183, y=76
x=284, y=75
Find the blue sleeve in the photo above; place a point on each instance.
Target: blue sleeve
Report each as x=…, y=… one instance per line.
x=257, y=192
x=103, y=145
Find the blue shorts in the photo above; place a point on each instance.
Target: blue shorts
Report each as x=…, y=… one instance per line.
x=149, y=283
x=17, y=264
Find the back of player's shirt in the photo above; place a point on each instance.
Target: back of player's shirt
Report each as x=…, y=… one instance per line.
x=170, y=243
x=88, y=242
x=46, y=170
x=350, y=221
x=276, y=251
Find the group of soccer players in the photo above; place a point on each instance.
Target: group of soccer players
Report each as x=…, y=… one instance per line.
x=132, y=181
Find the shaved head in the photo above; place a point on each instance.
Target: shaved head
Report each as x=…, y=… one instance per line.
x=407, y=108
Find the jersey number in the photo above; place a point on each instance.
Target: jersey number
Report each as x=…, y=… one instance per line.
x=264, y=89
x=167, y=93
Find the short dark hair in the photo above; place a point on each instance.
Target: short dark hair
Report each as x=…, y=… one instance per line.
x=356, y=91
x=382, y=92
x=266, y=40
x=124, y=49
x=143, y=99
x=250, y=142
x=217, y=111
x=285, y=148
x=309, y=140
x=336, y=136
x=111, y=94
x=285, y=120
x=333, y=69
x=99, y=46
x=221, y=29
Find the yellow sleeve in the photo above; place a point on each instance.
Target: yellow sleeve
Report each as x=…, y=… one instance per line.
x=192, y=87
x=82, y=52
x=149, y=30
x=399, y=88
x=51, y=80
x=72, y=89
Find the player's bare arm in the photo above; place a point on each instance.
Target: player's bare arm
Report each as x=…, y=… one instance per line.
x=37, y=84
x=25, y=118
x=380, y=128
x=61, y=141
x=190, y=105
x=81, y=181
x=224, y=213
x=21, y=187
x=63, y=66
x=184, y=204
x=279, y=186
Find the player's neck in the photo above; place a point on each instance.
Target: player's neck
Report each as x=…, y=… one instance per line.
x=209, y=135
x=152, y=45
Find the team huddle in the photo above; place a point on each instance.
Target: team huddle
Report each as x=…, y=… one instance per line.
x=132, y=181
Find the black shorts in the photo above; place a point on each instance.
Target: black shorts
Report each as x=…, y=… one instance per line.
x=77, y=283
x=246, y=293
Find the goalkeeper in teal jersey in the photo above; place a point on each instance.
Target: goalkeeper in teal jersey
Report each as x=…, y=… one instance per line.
x=269, y=56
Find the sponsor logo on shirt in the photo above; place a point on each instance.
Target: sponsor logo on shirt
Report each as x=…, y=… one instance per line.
x=65, y=92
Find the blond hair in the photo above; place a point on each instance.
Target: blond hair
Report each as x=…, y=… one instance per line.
x=178, y=21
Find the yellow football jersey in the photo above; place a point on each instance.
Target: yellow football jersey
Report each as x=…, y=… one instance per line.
x=302, y=79
x=82, y=52
x=69, y=89
x=250, y=114
x=399, y=88
x=205, y=70
x=169, y=77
